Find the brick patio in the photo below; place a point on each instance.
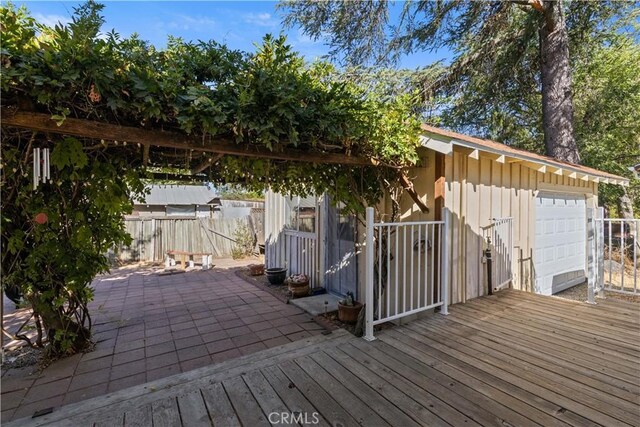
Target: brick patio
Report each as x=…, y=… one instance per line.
x=148, y=326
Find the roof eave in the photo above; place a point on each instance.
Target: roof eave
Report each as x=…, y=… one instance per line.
x=444, y=144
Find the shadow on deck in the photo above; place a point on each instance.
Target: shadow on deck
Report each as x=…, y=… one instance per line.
x=509, y=359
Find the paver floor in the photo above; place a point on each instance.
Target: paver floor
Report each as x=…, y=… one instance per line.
x=148, y=326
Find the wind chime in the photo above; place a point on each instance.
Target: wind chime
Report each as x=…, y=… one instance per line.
x=41, y=166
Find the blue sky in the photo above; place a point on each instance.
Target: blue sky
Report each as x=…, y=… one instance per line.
x=238, y=24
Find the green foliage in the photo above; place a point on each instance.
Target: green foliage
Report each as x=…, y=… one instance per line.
x=492, y=86
x=269, y=99
x=54, y=263
x=238, y=192
x=607, y=111
x=244, y=242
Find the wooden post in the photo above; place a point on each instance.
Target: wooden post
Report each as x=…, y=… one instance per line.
x=368, y=332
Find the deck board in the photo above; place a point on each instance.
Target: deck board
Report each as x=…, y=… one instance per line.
x=219, y=407
x=539, y=372
x=508, y=359
x=597, y=364
x=544, y=355
x=138, y=417
x=193, y=411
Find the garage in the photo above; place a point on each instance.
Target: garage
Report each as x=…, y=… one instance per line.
x=527, y=210
x=560, y=241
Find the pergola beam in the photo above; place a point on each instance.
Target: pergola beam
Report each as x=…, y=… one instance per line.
x=107, y=131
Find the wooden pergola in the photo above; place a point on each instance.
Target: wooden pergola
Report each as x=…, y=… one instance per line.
x=182, y=151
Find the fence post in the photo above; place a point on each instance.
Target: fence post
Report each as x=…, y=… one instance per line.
x=599, y=229
x=444, y=267
x=591, y=257
x=368, y=333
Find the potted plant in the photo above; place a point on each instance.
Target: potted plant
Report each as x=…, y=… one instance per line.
x=348, y=309
x=256, y=269
x=276, y=275
x=298, y=285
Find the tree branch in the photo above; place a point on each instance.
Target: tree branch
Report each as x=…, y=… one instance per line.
x=536, y=4
x=207, y=163
x=408, y=187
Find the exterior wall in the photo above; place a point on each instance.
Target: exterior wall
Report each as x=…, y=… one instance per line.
x=203, y=211
x=236, y=208
x=477, y=190
x=151, y=210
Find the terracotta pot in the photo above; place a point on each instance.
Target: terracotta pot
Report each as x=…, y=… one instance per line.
x=349, y=313
x=256, y=269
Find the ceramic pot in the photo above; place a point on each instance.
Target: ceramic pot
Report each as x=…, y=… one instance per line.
x=276, y=276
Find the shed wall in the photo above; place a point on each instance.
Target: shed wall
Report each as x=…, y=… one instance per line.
x=477, y=190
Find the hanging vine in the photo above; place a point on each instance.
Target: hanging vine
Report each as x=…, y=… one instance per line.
x=268, y=100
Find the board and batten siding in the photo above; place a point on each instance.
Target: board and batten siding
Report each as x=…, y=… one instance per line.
x=477, y=190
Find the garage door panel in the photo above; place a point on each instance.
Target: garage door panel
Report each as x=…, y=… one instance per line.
x=560, y=239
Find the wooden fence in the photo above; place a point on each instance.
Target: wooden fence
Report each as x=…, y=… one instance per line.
x=154, y=236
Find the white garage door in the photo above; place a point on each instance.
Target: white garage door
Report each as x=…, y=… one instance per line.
x=560, y=242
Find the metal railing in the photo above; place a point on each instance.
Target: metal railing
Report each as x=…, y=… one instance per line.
x=301, y=254
x=406, y=269
x=617, y=253
x=499, y=239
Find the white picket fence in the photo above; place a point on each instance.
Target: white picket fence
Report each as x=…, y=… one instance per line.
x=406, y=269
x=301, y=254
x=499, y=238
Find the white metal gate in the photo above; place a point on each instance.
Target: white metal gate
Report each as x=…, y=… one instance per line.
x=301, y=254
x=617, y=252
x=499, y=239
x=406, y=269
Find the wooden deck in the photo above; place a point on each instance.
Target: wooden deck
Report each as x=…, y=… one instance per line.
x=510, y=359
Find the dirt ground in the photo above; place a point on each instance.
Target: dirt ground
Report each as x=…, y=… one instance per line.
x=580, y=292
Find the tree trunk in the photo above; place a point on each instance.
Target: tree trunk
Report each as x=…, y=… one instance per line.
x=77, y=337
x=557, y=102
x=625, y=207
